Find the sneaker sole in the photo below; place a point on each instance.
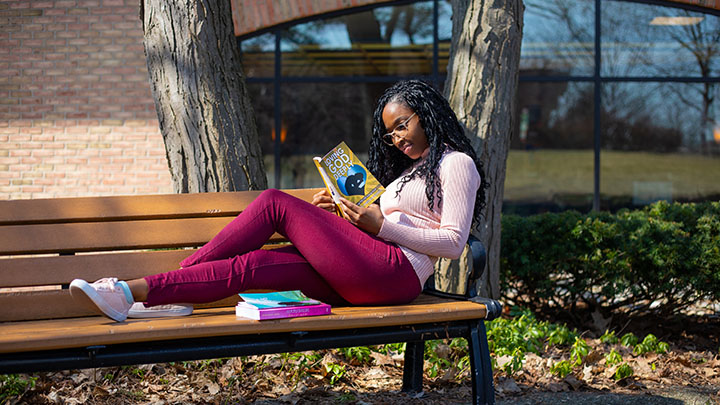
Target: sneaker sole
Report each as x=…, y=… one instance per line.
x=138, y=310
x=82, y=292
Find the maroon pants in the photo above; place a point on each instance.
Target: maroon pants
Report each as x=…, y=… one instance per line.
x=330, y=259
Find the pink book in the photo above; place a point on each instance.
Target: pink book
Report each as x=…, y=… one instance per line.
x=276, y=305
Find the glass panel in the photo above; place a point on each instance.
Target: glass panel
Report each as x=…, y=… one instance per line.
x=651, y=40
x=444, y=34
x=558, y=38
x=660, y=141
x=444, y=21
x=385, y=41
x=258, y=56
x=550, y=163
x=317, y=117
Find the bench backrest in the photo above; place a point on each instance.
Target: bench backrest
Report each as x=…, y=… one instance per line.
x=45, y=244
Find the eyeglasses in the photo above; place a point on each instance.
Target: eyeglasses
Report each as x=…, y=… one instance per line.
x=401, y=130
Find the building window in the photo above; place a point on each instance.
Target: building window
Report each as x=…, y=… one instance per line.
x=657, y=144
x=617, y=102
x=558, y=38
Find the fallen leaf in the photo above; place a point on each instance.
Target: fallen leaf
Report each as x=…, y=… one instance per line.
x=503, y=360
x=449, y=374
x=443, y=351
x=398, y=358
x=382, y=359
x=418, y=395
x=213, y=388
x=557, y=387
x=600, y=322
x=594, y=357
x=507, y=385
x=100, y=391
x=376, y=373
x=573, y=382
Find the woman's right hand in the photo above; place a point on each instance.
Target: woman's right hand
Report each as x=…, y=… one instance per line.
x=324, y=201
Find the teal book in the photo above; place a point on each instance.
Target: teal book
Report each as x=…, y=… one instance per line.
x=280, y=304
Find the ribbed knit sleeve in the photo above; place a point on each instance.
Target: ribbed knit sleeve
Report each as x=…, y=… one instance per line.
x=443, y=232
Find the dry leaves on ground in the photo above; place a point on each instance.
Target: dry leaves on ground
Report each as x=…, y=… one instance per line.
x=306, y=378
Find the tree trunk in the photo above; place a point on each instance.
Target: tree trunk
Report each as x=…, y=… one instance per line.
x=202, y=104
x=481, y=86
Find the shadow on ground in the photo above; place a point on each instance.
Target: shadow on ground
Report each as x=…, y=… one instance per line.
x=680, y=397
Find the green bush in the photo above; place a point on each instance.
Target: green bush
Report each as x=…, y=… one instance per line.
x=658, y=258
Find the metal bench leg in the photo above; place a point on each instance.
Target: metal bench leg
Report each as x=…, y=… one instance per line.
x=413, y=369
x=483, y=391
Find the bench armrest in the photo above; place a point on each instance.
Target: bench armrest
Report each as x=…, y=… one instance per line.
x=471, y=273
x=479, y=260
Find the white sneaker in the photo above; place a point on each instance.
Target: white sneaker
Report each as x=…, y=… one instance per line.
x=105, y=295
x=138, y=310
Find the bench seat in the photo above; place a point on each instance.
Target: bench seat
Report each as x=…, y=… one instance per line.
x=45, y=244
x=25, y=336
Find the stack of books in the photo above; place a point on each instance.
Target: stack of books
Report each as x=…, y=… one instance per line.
x=281, y=304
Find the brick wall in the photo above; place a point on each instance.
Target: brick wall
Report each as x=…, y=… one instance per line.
x=64, y=158
x=702, y=3
x=76, y=113
x=252, y=15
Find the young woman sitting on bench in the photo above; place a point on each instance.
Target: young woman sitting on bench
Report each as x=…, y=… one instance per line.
x=381, y=255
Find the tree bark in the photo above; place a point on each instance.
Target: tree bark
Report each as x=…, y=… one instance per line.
x=203, y=107
x=481, y=86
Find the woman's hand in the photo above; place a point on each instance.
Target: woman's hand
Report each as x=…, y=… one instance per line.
x=368, y=218
x=324, y=201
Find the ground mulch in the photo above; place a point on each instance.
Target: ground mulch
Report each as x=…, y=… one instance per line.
x=688, y=374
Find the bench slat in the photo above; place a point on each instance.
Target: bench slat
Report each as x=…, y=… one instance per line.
x=46, y=304
x=90, y=331
x=58, y=270
x=95, y=236
x=26, y=271
x=58, y=304
x=102, y=209
x=109, y=236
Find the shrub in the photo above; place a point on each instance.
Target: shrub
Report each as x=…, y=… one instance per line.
x=659, y=258
x=12, y=385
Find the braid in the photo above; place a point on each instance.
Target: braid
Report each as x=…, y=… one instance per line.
x=442, y=130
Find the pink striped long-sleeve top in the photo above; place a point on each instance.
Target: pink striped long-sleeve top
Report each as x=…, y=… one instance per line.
x=422, y=234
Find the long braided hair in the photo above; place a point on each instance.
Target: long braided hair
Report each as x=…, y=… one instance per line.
x=442, y=130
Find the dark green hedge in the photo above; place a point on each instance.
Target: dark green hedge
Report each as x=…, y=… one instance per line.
x=659, y=258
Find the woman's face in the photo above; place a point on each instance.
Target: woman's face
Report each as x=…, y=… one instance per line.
x=403, y=127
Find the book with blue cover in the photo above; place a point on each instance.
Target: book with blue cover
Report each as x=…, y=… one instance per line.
x=280, y=304
x=345, y=176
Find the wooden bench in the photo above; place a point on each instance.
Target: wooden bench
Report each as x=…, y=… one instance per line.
x=44, y=244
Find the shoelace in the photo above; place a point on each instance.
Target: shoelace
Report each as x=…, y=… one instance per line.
x=106, y=285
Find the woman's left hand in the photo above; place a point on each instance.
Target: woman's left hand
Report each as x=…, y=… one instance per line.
x=368, y=218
